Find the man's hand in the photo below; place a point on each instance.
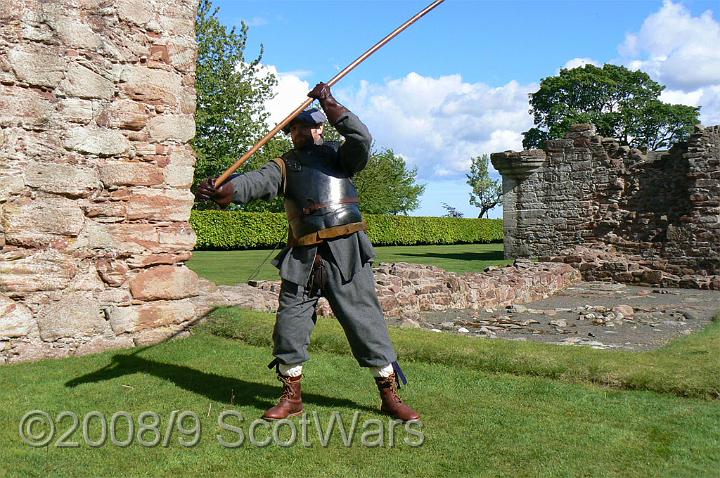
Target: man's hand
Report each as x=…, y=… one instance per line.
x=221, y=195
x=322, y=93
x=333, y=110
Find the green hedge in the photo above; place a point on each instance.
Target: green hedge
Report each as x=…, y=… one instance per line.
x=249, y=230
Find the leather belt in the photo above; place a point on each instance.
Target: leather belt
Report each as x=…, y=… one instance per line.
x=323, y=234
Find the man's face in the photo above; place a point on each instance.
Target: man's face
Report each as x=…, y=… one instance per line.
x=303, y=134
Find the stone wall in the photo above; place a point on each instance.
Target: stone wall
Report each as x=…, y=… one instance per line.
x=404, y=290
x=96, y=110
x=662, y=208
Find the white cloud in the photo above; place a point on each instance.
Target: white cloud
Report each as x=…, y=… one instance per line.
x=680, y=51
x=676, y=48
x=710, y=101
x=439, y=124
x=290, y=92
x=674, y=97
x=436, y=124
x=579, y=63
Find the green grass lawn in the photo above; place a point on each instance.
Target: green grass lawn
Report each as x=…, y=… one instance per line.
x=490, y=407
x=233, y=267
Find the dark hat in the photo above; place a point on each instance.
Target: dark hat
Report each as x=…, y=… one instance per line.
x=310, y=116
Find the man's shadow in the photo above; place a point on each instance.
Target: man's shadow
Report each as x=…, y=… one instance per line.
x=215, y=387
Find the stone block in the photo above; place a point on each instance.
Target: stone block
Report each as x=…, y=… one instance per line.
x=76, y=34
x=28, y=271
x=160, y=205
x=139, y=12
x=164, y=282
x=37, y=350
x=113, y=272
x=101, y=344
x=106, y=211
x=16, y=319
x=115, y=296
x=180, y=128
x=39, y=222
x=97, y=141
x=21, y=144
x=86, y=280
x=160, y=53
x=11, y=183
x=182, y=54
x=652, y=277
x=82, y=82
x=37, y=66
x=178, y=22
x=134, y=238
x=93, y=236
x=177, y=237
x=26, y=107
x=179, y=176
x=76, y=110
x=124, y=114
x=66, y=179
x=149, y=316
x=75, y=315
x=182, y=155
x=151, y=85
x=136, y=173
x=147, y=260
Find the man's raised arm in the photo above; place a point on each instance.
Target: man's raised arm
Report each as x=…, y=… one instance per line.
x=355, y=151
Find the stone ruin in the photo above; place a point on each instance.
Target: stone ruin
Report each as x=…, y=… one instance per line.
x=96, y=111
x=614, y=212
x=97, y=101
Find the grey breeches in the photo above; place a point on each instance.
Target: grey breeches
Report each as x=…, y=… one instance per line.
x=354, y=303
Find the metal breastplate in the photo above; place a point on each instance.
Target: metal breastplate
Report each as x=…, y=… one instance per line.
x=318, y=195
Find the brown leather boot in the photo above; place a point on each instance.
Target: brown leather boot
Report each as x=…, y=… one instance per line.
x=290, y=403
x=391, y=403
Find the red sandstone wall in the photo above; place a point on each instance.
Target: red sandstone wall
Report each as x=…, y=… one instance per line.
x=96, y=111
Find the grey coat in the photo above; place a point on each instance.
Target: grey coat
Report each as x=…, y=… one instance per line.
x=349, y=253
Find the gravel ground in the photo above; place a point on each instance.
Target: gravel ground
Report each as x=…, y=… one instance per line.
x=596, y=314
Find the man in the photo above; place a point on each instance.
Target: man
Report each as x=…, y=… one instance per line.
x=328, y=251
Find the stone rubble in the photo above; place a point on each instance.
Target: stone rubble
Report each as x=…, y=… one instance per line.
x=654, y=317
x=405, y=290
x=603, y=262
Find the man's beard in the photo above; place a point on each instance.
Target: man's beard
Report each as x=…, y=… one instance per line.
x=309, y=141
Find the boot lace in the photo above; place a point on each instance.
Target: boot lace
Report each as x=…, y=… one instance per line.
x=389, y=383
x=287, y=391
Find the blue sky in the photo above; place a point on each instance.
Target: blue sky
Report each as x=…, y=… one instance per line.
x=455, y=84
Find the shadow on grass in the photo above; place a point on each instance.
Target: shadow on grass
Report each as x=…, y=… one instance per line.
x=464, y=256
x=215, y=387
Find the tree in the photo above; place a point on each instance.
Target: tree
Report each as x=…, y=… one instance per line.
x=451, y=211
x=231, y=93
x=486, y=192
x=621, y=103
x=386, y=186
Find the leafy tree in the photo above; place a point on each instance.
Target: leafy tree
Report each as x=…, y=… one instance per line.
x=658, y=125
x=231, y=93
x=486, y=192
x=386, y=186
x=621, y=103
x=451, y=211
